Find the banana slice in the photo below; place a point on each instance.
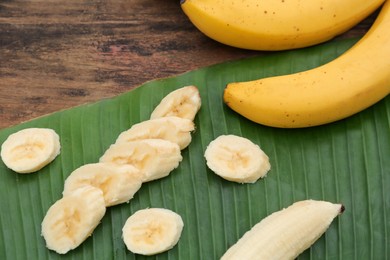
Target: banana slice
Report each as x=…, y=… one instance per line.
x=154, y=158
x=237, y=159
x=285, y=234
x=118, y=183
x=70, y=220
x=152, y=231
x=184, y=102
x=172, y=128
x=30, y=149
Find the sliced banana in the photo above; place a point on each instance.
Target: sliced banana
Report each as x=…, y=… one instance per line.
x=285, y=234
x=184, y=102
x=118, y=183
x=30, y=149
x=154, y=158
x=237, y=159
x=70, y=220
x=152, y=231
x=172, y=128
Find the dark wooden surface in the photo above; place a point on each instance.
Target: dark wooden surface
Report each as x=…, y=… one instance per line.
x=58, y=54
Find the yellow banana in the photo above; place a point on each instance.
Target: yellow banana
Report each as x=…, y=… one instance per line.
x=276, y=25
x=350, y=83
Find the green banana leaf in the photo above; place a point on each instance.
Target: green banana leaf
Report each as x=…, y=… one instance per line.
x=347, y=161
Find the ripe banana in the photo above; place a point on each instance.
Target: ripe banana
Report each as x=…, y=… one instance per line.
x=287, y=233
x=29, y=150
x=118, y=183
x=276, y=25
x=154, y=158
x=172, y=128
x=152, y=231
x=236, y=158
x=70, y=220
x=184, y=102
x=345, y=86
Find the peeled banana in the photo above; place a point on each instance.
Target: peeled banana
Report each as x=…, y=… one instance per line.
x=184, y=102
x=171, y=128
x=118, y=183
x=152, y=231
x=276, y=25
x=30, y=149
x=352, y=82
x=237, y=159
x=287, y=233
x=154, y=158
x=72, y=219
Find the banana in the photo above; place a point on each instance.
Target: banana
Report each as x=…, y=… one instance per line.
x=347, y=85
x=152, y=231
x=276, y=25
x=154, y=158
x=172, y=128
x=30, y=149
x=118, y=183
x=184, y=102
x=70, y=220
x=287, y=233
x=237, y=159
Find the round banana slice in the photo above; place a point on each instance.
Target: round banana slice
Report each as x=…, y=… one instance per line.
x=30, y=149
x=237, y=159
x=154, y=158
x=70, y=220
x=184, y=102
x=118, y=183
x=172, y=128
x=152, y=231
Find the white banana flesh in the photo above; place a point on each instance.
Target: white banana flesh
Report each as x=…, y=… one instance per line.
x=30, y=149
x=118, y=183
x=285, y=234
x=152, y=231
x=172, y=128
x=154, y=158
x=237, y=159
x=184, y=102
x=72, y=219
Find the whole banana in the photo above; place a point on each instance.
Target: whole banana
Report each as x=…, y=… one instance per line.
x=276, y=25
x=347, y=85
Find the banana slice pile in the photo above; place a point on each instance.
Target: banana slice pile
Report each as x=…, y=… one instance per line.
x=31, y=149
x=147, y=151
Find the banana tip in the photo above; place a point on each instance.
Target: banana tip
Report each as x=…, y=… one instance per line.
x=342, y=209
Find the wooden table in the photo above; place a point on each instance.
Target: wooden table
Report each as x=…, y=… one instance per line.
x=58, y=54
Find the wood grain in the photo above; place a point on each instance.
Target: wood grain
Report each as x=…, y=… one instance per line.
x=58, y=54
